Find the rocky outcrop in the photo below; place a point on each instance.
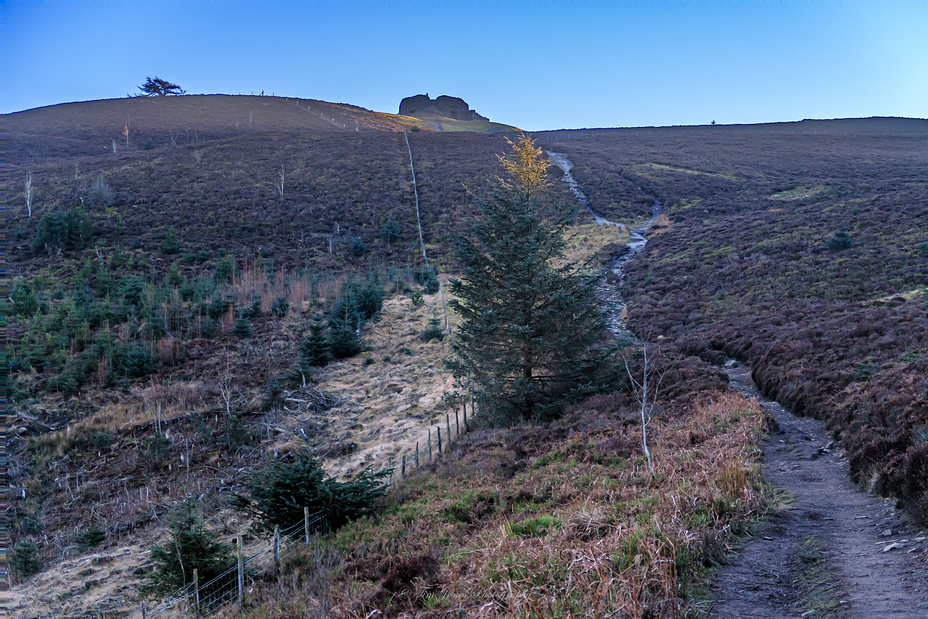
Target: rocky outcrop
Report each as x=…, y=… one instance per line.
x=445, y=106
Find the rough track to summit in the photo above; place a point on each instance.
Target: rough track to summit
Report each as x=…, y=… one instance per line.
x=832, y=550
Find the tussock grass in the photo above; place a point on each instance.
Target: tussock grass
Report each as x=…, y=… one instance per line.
x=555, y=521
x=391, y=392
x=585, y=240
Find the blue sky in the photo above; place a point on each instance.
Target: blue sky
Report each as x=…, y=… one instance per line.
x=538, y=65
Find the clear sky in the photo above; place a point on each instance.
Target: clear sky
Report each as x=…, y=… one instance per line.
x=537, y=65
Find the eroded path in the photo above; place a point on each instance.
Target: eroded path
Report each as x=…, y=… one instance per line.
x=636, y=243
x=832, y=550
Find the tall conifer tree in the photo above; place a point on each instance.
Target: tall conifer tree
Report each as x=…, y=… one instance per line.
x=533, y=326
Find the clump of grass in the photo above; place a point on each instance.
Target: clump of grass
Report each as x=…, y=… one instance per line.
x=816, y=581
x=538, y=526
x=434, y=331
x=581, y=533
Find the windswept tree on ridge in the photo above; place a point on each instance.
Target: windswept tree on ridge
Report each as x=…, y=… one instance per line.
x=158, y=87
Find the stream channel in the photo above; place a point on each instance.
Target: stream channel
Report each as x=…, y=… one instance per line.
x=830, y=549
x=636, y=243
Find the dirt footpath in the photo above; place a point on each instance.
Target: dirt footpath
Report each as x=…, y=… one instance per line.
x=831, y=550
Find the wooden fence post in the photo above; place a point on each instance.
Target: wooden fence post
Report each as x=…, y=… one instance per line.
x=277, y=550
x=464, y=406
x=417, y=454
x=457, y=425
x=448, y=426
x=306, y=523
x=403, y=470
x=439, y=436
x=430, y=444
x=196, y=592
x=144, y=611
x=241, y=575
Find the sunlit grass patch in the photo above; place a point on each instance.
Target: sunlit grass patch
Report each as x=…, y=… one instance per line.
x=585, y=240
x=386, y=406
x=666, y=168
x=685, y=204
x=800, y=193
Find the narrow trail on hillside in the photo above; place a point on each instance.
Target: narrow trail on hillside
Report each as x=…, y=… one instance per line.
x=831, y=550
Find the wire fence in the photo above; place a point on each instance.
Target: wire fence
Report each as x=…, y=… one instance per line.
x=205, y=599
x=437, y=439
x=197, y=600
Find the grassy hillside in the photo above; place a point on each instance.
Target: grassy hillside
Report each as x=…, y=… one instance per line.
x=222, y=189
x=563, y=520
x=267, y=217
x=805, y=256
x=162, y=292
x=88, y=128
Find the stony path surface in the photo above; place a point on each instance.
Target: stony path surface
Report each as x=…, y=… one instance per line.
x=832, y=550
x=635, y=244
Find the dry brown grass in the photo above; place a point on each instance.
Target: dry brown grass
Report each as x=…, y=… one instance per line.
x=585, y=240
x=300, y=292
x=144, y=404
x=581, y=482
x=564, y=521
x=253, y=282
x=630, y=566
x=386, y=407
x=169, y=351
x=388, y=395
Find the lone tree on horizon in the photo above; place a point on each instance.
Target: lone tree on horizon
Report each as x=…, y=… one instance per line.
x=533, y=328
x=158, y=87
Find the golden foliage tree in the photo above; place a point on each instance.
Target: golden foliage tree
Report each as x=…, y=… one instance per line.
x=533, y=326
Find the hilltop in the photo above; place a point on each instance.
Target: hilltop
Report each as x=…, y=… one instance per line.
x=446, y=113
x=210, y=167
x=157, y=318
x=87, y=128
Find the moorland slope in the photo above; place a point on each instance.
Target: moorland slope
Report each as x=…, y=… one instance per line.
x=803, y=256
x=155, y=332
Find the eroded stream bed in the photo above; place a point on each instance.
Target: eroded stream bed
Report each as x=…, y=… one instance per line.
x=636, y=243
x=828, y=549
